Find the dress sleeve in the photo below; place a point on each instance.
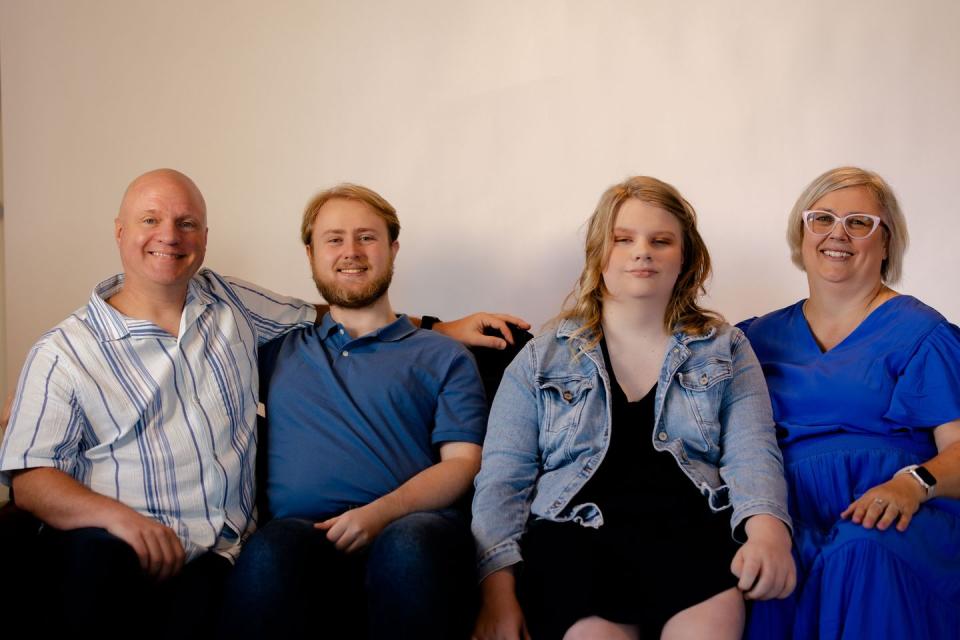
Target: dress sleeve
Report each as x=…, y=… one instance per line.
x=927, y=392
x=272, y=314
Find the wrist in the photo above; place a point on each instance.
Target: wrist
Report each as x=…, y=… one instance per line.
x=427, y=322
x=921, y=478
x=764, y=523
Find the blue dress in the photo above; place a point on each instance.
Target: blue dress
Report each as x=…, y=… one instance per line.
x=847, y=420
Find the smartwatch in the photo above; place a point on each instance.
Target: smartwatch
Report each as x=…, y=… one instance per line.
x=427, y=322
x=922, y=475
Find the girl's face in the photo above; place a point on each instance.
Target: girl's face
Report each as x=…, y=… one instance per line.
x=647, y=254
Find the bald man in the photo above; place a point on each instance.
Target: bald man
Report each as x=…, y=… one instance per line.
x=132, y=433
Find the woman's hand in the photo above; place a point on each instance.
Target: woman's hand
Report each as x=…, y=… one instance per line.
x=500, y=616
x=896, y=499
x=764, y=563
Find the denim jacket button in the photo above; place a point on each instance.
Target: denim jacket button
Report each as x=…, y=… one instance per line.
x=703, y=378
x=568, y=395
x=662, y=436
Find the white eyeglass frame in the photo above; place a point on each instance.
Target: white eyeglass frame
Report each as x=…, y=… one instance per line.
x=877, y=222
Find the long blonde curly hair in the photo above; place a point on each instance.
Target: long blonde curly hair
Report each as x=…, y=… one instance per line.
x=585, y=302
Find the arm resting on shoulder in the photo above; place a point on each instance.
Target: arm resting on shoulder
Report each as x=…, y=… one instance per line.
x=63, y=503
x=435, y=487
x=469, y=329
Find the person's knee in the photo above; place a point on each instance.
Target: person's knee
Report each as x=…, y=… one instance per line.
x=276, y=550
x=420, y=540
x=277, y=537
x=595, y=628
x=721, y=616
x=419, y=559
x=95, y=552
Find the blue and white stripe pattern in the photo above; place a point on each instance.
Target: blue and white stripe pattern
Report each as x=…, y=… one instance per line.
x=164, y=424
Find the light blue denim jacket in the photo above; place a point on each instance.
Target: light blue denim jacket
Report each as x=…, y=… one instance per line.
x=549, y=429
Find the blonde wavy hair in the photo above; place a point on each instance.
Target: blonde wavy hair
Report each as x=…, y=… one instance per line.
x=895, y=225
x=585, y=302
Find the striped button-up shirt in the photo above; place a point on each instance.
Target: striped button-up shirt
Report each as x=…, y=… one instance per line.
x=164, y=424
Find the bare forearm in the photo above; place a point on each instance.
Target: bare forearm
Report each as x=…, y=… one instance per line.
x=945, y=467
x=60, y=501
x=435, y=487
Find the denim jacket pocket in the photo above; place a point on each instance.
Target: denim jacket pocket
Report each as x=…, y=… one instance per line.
x=563, y=400
x=703, y=387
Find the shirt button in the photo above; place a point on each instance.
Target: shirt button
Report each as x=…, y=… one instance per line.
x=341, y=331
x=676, y=349
x=344, y=353
x=703, y=379
x=568, y=396
x=662, y=436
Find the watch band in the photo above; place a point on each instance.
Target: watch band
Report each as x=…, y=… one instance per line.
x=922, y=475
x=427, y=322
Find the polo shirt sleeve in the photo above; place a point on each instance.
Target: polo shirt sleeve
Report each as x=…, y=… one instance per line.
x=272, y=314
x=461, y=404
x=46, y=422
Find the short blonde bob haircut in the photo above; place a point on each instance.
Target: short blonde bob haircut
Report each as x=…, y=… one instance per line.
x=349, y=191
x=585, y=302
x=894, y=224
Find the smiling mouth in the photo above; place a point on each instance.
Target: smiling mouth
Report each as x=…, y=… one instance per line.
x=352, y=271
x=166, y=255
x=834, y=253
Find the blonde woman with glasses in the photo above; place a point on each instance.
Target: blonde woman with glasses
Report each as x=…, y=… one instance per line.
x=865, y=384
x=630, y=449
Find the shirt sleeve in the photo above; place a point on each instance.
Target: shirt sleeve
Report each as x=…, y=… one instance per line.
x=272, y=314
x=46, y=423
x=927, y=393
x=461, y=414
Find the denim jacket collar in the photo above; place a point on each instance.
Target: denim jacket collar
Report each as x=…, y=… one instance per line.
x=568, y=327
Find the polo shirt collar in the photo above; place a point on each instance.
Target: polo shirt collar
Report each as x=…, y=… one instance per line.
x=396, y=330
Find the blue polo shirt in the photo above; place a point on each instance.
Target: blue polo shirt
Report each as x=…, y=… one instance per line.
x=350, y=420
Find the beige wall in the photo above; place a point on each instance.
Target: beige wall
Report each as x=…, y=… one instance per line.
x=492, y=126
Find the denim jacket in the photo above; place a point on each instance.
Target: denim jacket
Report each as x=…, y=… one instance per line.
x=549, y=429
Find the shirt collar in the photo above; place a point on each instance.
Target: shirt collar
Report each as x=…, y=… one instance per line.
x=108, y=324
x=568, y=326
x=396, y=330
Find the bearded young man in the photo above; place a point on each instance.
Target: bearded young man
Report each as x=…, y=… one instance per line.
x=132, y=433
x=374, y=434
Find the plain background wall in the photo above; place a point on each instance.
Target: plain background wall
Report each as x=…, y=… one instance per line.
x=492, y=126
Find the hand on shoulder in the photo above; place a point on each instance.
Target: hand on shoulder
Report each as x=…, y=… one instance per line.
x=469, y=329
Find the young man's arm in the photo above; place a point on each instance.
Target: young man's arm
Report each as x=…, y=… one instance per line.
x=435, y=487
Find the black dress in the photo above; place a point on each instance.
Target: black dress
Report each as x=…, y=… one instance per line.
x=661, y=549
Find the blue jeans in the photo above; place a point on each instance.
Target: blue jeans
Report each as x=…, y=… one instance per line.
x=416, y=580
